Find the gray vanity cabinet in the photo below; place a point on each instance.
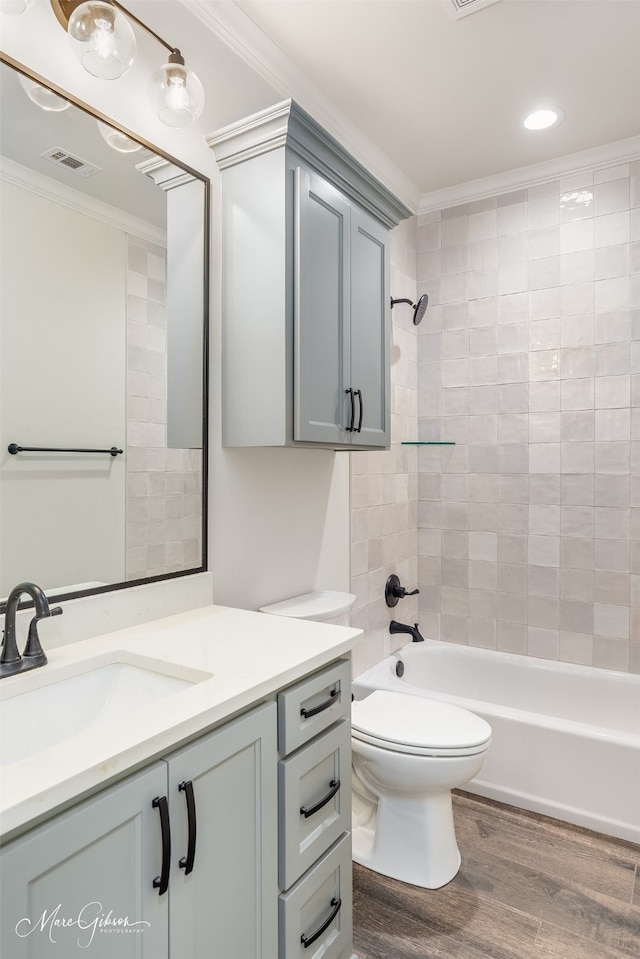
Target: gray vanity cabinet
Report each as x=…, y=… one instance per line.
x=102, y=860
x=224, y=907
x=96, y=861
x=314, y=785
x=305, y=297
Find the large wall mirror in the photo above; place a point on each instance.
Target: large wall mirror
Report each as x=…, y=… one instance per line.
x=103, y=332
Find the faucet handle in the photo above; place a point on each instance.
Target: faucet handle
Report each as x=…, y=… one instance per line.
x=33, y=648
x=394, y=591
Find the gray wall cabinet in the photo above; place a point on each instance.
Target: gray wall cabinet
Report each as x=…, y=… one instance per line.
x=99, y=860
x=306, y=298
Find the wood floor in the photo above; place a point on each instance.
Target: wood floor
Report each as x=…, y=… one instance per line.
x=529, y=888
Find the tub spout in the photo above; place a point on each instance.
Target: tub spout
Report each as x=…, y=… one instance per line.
x=413, y=631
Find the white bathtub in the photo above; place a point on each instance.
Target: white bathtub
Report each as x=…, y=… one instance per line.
x=566, y=739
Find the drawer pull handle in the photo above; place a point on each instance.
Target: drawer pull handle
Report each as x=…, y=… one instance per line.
x=186, y=862
x=161, y=882
x=334, y=698
x=307, y=811
x=309, y=940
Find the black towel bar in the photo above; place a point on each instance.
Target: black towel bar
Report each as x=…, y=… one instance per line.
x=14, y=448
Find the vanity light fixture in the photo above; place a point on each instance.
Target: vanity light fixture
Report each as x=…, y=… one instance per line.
x=103, y=39
x=176, y=94
x=543, y=119
x=14, y=7
x=44, y=98
x=116, y=139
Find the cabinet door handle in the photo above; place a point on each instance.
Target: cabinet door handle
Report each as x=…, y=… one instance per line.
x=349, y=428
x=334, y=696
x=186, y=862
x=161, y=882
x=307, y=811
x=309, y=940
x=358, y=429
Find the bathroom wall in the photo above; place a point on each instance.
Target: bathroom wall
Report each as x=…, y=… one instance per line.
x=61, y=385
x=529, y=527
x=268, y=508
x=384, y=485
x=164, y=499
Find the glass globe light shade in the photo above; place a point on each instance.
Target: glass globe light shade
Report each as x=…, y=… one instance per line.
x=117, y=140
x=102, y=38
x=176, y=94
x=14, y=7
x=42, y=97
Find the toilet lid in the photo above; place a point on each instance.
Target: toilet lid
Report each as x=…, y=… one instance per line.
x=416, y=723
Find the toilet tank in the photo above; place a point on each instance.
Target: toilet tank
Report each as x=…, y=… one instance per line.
x=321, y=606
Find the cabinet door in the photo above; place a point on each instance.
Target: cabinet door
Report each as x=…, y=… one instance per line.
x=227, y=905
x=322, y=408
x=84, y=881
x=370, y=307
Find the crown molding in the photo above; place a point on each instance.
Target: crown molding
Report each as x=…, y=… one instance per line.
x=287, y=125
x=50, y=189
x=165, y=174
x=596, y=158
x=245, y=38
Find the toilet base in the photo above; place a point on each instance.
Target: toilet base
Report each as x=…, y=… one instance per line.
x=412, y=840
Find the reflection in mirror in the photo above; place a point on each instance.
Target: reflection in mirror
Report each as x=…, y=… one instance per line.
x=102, y=344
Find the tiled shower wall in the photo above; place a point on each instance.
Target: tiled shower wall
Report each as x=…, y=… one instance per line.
x=164, y=499
x=529, y=360
x=384, y=485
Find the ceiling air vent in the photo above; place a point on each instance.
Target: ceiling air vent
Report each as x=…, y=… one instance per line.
x=71, y=162
x=461, y=8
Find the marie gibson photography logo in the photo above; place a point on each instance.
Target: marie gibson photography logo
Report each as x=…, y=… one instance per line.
x=90, y=920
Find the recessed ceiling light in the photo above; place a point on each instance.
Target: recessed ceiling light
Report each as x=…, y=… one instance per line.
x=543, y=119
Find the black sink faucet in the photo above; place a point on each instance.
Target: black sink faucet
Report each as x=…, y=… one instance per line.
x=11, y=662
x=413, y=631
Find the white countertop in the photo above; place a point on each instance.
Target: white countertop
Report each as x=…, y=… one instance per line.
x=240, y=658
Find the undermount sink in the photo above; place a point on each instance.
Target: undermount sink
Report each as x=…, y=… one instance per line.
x=56, y=710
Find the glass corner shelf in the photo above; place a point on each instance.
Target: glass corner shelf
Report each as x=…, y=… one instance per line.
x=427, y=443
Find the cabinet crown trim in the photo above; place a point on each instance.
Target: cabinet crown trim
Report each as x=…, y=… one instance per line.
x=286, y=124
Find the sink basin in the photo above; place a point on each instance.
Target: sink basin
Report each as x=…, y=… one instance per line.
x=54, y=711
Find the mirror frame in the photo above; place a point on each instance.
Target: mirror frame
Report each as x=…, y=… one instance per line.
x=96, y=114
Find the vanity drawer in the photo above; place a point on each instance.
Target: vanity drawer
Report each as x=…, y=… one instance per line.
x=311, y=706
x=315, y=915
x=314, y=801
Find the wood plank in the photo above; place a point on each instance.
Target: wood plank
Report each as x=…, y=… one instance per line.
x=546, y=846
x=562, y=903
x=394, y=920
x=554, y=943
x=530, y=887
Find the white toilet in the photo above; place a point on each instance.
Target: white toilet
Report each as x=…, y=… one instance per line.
x=408, y=754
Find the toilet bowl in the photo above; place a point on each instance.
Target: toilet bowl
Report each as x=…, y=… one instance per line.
x=408, y=754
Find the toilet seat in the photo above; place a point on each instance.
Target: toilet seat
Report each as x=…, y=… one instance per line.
x=421, y=727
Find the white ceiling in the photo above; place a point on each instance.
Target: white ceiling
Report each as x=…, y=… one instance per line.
x=425, y=100
x=443, y=97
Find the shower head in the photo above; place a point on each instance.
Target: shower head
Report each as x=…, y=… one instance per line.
x=419, y=308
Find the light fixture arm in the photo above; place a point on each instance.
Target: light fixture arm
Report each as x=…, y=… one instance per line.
x=64, y=8
x=143, y=26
